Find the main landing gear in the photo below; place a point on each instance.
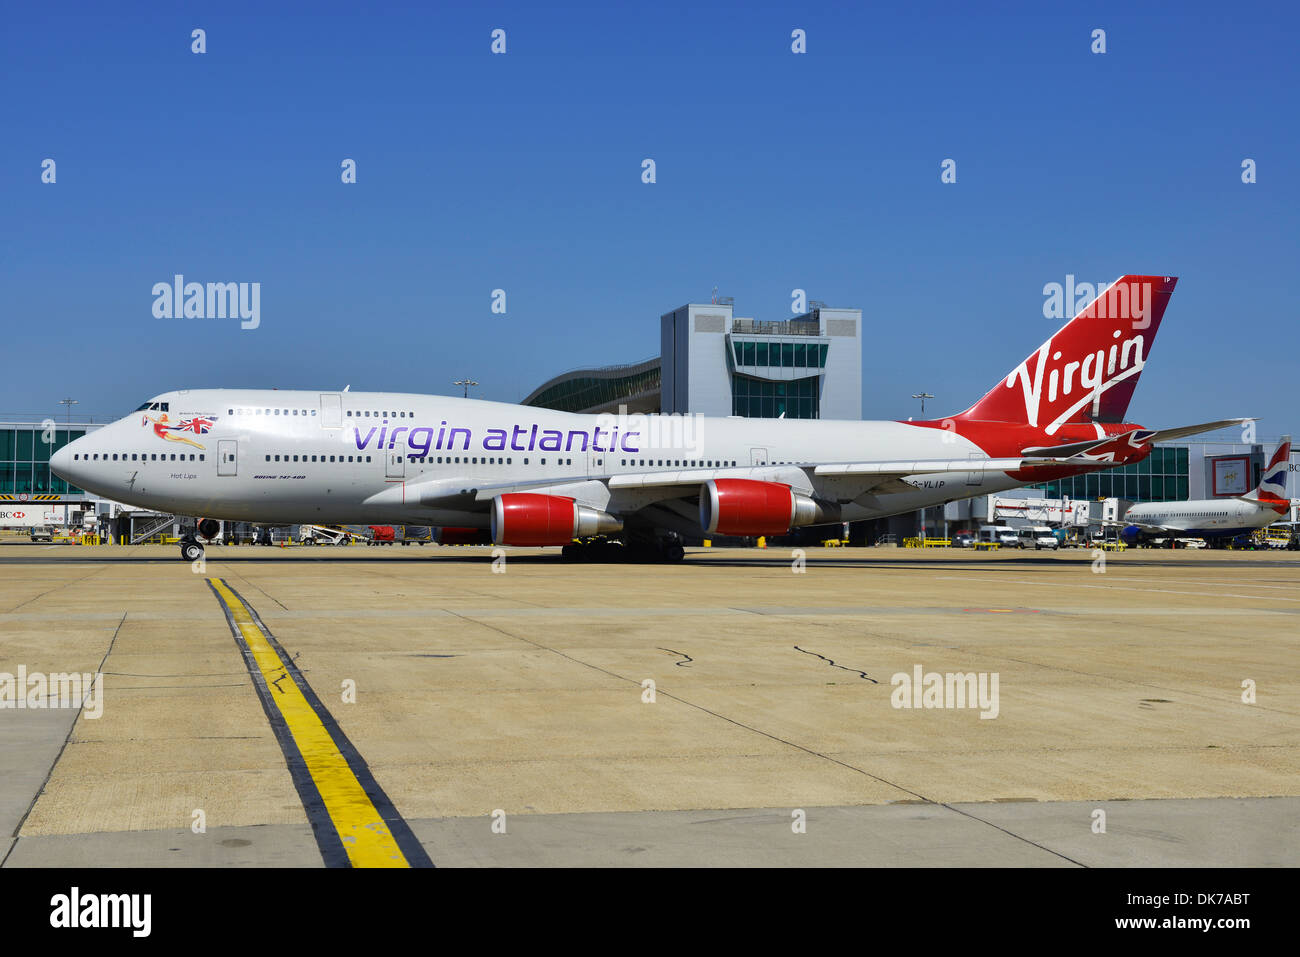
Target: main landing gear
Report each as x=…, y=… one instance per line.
x=191, y=551
x=607, y=550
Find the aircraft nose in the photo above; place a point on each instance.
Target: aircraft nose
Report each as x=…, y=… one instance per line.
x=61, y=462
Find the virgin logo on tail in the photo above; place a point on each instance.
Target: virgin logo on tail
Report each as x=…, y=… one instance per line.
x=1087, y=371
x=1126, y=358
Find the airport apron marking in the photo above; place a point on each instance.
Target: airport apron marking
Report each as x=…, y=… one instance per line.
x=354, y=822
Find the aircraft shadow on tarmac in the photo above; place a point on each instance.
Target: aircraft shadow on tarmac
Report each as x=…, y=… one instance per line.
x=693, y=557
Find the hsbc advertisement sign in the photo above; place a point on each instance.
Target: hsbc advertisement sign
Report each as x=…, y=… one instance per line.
x=26, y=516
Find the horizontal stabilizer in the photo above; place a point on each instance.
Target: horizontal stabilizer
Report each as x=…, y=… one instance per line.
x=1168, y=435
x=1135, y=438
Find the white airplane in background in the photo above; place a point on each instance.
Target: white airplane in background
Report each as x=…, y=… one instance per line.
x=1215, y=517
x=517, y=475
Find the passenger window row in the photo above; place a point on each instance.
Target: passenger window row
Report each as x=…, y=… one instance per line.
x=134, y=457
x=320, y=458
x=459, y=460
x=417, y=459
x=496, y=460
x=302, y=412
x=677, y=463
x=306, y=412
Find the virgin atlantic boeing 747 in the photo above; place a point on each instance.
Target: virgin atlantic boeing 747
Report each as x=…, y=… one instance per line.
x=517, y=475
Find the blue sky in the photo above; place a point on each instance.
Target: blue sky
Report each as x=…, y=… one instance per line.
x=523, y=172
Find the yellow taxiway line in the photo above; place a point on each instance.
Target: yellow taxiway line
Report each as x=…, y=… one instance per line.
x=355, y=823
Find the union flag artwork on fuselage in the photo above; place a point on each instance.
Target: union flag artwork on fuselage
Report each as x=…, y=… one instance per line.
x=165, y=429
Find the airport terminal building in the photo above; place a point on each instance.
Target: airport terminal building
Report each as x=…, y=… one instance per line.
x=807, y=367
x=714, y=363
x=25, y=450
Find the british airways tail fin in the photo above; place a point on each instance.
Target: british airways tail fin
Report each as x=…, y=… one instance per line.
x=1088, y=370
x=1272, y=487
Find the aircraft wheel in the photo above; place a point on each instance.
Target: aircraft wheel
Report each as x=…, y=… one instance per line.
x=191, y=551
x=673, y=552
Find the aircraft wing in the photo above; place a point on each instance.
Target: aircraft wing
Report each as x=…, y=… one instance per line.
x=868, y=470
x=859, y=477
x=883, y=478
x=855, y=478
x=862, y=477
x=938, y=467
x=1134, y=438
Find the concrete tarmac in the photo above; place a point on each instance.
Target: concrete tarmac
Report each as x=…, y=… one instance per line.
x=1159, y=689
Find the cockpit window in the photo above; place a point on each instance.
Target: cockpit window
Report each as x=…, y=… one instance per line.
x=155, y=407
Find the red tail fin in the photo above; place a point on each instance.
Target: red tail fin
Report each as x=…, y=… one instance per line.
x=1087, y=371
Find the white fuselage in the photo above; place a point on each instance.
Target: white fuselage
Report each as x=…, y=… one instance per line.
x=1205, y=518
x=288, y=457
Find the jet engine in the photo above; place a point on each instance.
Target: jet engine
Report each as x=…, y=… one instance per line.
x=749, y=507
x=209, y=528
x=529, y=518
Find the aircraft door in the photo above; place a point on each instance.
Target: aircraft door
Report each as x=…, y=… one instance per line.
x=976, y=474
x=396, y=463
x=227, y=457
x=598, y=463
x=331, y=410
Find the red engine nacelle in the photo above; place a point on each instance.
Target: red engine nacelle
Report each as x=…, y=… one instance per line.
x=461, y=536
x=749, y=507
x=528, y=518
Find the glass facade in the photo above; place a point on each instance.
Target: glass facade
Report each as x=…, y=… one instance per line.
x=772, y=353
x=588, y=392
x=25, y=459
x=765, y=399
x=1160, y=477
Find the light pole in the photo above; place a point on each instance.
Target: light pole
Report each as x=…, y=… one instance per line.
x=69, y=402
x=466, y=383
x=922, y=396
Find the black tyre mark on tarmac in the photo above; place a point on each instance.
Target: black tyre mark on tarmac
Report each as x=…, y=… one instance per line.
x=862, y=674
x=680, y=664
